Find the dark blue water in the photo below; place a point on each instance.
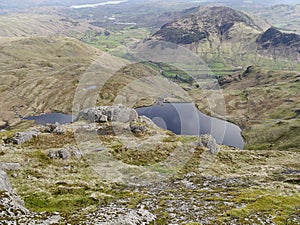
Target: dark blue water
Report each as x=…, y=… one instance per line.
x=51, y=118
x=186, y=119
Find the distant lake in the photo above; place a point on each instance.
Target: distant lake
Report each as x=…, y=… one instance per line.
x=186, y=119
x=51, y=118
x=97, y=4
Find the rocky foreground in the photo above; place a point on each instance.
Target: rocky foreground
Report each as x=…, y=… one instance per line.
x=125, y=170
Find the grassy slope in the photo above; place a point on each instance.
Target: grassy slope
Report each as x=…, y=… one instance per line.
x=40, y=74
x=29, y=24
x=114, y=40
x=284, y=17
x=39, y=71
x=265, y=105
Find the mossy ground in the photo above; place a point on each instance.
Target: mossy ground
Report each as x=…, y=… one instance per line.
x=264, y=104
x=235, y=185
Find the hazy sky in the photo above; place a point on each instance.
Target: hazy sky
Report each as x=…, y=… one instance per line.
x=15, y=4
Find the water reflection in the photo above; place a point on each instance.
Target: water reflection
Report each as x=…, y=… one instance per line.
x=186, y=119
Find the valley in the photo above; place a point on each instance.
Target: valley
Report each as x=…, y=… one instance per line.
x=109, y=62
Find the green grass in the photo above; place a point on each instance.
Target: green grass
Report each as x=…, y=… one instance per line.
x=170, y=72
x=274, y=135
x=113, y=40
x=265, y=202
x=65, y=203
x=145, y=155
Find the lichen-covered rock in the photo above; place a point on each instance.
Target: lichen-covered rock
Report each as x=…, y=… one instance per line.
x=53, y=128
x=12, y=207
x=59, y=130
x=9, y=166
x=52, y=154
x=77, y=154
x=3, y=125
x=59, y=154
x=147, y=121
x=209, y=142
x=22, y=137
x=114, y=214
x=65, y=153
x=4, y=183
x=103, y=114
x=138, y=128
x=142, y=124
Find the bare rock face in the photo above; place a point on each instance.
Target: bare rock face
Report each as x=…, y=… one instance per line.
x=272, y=42
x=104, y=114
x=12, y=207
x=202, y=24
x=4, y=182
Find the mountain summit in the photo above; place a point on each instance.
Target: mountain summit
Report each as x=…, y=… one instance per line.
x=274, y=42
x=205, y=23
x=222, y=34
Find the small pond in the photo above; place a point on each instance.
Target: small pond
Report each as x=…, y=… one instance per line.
x=180, y=118
x=186, y=119
x=51, y=118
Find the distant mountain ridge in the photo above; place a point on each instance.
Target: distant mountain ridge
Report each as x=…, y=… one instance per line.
x=274, y=42
x=222, y=34
x=202, y=23
x=34, y=24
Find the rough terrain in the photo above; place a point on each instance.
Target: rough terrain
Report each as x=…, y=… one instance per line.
x=111, y=173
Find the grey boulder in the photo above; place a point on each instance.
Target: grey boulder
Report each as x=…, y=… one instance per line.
x=22, y=137
x=4, y=183
x=209, y=142
x=104, y=114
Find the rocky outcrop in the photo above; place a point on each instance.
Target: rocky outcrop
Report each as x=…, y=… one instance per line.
x=53, y=128
x=116, y=214
x=141, y=125
x=4, y=183
x=10, y=205
x=104, y=114
x=180, y=35
x=209, y=142
x=59, y=154
x=9, y=166
x=65, y=153
x=22, y=137
x=276, y=44
x=275, y=38
x=215, y=32
x=203, y=23
x=3, y=125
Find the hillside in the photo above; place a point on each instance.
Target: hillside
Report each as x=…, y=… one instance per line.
x=216, y=33
x=275, y=43
x=266, y=104
x=85, y=174
x=112, y=166
x=226, y=37
x=39, y=74
x=29, y=24
x=282, y=16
